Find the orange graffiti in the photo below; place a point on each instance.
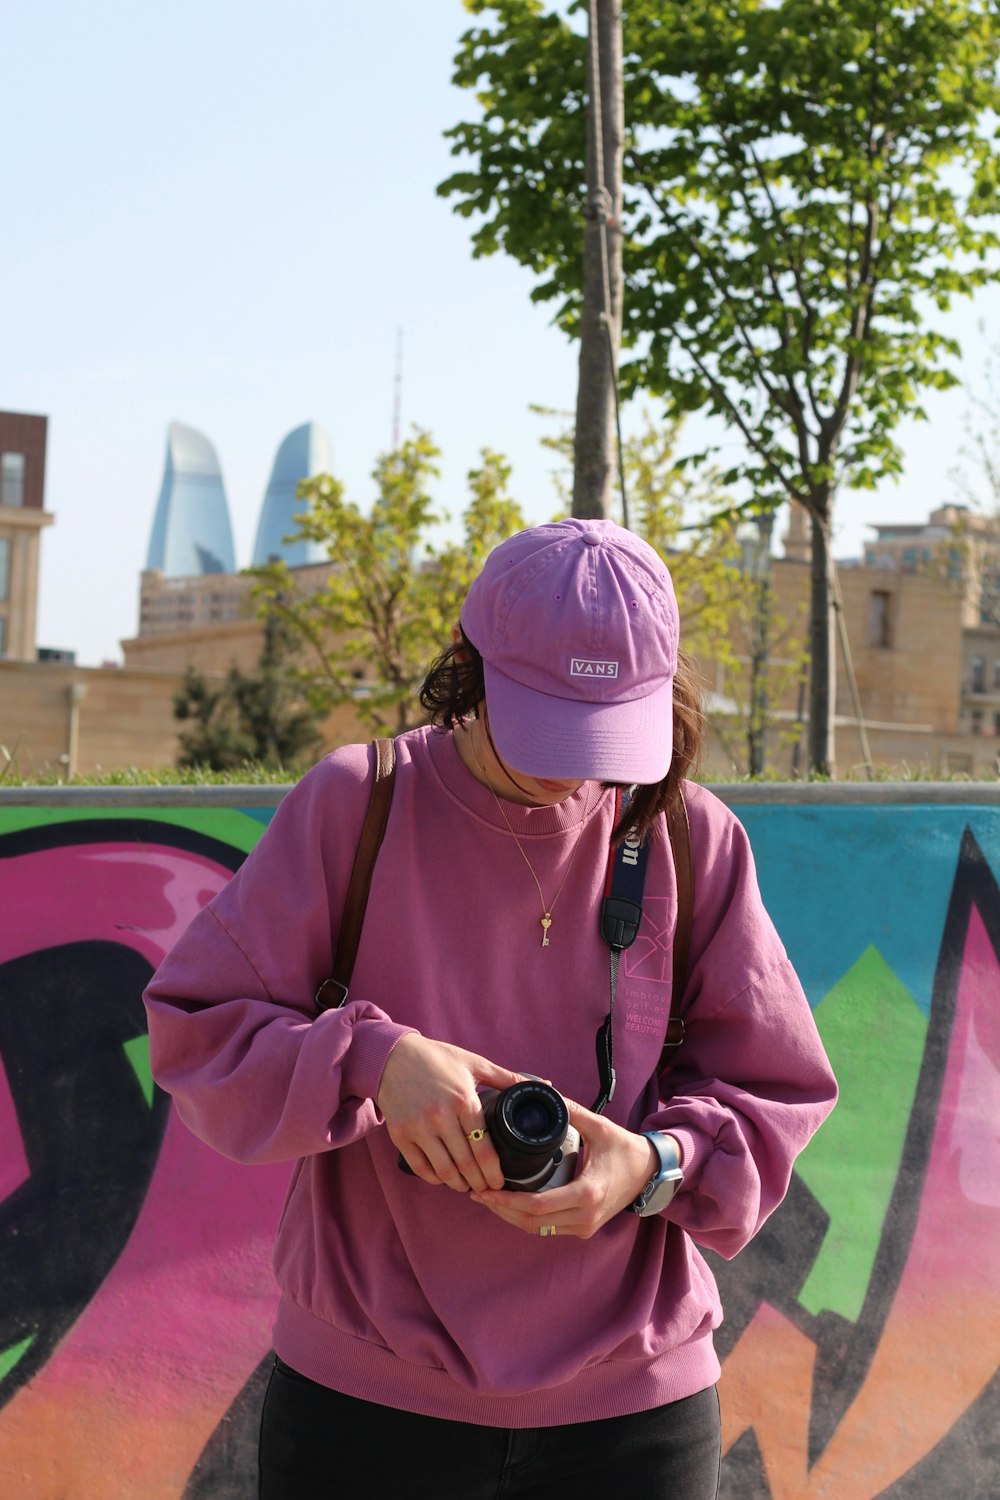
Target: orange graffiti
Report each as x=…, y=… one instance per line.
x=940, y=1345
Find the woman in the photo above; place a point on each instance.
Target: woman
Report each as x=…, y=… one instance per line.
x=438, y=1334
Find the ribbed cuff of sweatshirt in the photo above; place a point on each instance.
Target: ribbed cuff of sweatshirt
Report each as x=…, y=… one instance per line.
x=695, y=1147
x=371, y=1043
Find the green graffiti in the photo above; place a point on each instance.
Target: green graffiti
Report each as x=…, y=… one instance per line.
x=241, y=828
x=874, y=1032
x=9, y=1357
x=137, y=1052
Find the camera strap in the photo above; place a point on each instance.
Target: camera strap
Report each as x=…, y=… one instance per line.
x=333, y=992
x=621, y=913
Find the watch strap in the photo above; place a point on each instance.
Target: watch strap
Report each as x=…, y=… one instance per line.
x=662, y=1186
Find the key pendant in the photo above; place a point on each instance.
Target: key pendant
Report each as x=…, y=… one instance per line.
x=546, y=924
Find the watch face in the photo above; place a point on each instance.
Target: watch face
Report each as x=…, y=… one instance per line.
x=660, y=1189
x=661, y=1192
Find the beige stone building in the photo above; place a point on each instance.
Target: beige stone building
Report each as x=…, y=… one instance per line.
x=926, y=678
x=954, y=542
x=170, y=605
x=22, y=519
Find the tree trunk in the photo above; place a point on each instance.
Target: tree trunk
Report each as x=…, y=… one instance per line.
x=595, y=460
x=760, y=654
x=822, y=654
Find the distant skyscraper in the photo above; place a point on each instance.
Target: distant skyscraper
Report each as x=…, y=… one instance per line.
x=304, y=452
x=191, y=529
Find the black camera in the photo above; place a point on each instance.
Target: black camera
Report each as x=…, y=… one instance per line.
x=528, y=1123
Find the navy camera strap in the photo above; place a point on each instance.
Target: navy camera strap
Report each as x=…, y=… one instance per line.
x=621, y=913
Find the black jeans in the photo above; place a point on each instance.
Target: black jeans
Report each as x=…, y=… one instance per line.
x=316, y=1444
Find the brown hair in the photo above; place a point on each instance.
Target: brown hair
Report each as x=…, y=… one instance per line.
x=455, y=686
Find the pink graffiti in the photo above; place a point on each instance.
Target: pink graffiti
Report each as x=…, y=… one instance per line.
x=13, y=1157
x=975, y=1136
x=183, y=1318
x=140, y=895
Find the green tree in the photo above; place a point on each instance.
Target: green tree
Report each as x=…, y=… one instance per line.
x=807, y=183
x=255, y=716
x=721, y=574
x=721, y=577
x=391, y=598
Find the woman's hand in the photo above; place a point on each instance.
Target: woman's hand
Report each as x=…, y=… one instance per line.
x=617, y=1164
x=428, y=1099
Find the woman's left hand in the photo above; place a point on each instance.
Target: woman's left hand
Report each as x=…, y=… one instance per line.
x=617, y=1164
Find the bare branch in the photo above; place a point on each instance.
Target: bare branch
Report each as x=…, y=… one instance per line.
x=776, y=225
x=722, y=396
x=860, y=325
x=774, y=394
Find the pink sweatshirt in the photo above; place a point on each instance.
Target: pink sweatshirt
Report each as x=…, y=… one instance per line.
x=411, y=1295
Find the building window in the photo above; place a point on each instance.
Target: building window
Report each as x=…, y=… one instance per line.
x=977, y=721
x=996, y=668
x=3, y=636
x=996, y=725
x=5, y=568
x=12, y=479
x=989, y=593
x=979, y=674
x=879, y=618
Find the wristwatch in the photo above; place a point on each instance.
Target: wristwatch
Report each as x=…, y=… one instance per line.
x=662, y=1186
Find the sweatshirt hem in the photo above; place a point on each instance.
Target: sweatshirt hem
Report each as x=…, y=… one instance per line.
x=357, y=1367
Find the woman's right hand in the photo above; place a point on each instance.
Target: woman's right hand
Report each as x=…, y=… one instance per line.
x=428, y=1099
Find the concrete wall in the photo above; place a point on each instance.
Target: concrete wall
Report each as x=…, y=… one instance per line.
x=91, y=720
x=85, y=720
x=862, y=1339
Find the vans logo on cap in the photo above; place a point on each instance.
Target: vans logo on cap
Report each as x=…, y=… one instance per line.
x=582, y=666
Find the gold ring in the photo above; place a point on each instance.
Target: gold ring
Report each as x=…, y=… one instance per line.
x=475, y=1135
x=546, y=1229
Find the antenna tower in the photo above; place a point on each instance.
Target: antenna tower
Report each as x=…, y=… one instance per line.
x=397, y=402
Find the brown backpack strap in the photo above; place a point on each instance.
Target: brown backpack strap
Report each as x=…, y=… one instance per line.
x=333, y=991
x=679, y=830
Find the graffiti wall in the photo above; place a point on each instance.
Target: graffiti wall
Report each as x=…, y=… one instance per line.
x=861, y=1345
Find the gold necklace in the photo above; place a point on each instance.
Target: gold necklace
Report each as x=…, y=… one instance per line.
x=547, y=908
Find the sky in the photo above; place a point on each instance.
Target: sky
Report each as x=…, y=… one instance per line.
x=225, y=214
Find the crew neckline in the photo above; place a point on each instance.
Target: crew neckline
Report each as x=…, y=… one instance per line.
x=528, y=822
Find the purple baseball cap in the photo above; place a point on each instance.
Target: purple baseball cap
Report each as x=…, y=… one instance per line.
x=577, y=626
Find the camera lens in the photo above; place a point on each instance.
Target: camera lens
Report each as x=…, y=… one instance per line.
x=527, y=1124
x=531, y=1118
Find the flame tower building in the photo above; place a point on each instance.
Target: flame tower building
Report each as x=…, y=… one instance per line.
x=191, y=532
x=303, y=453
